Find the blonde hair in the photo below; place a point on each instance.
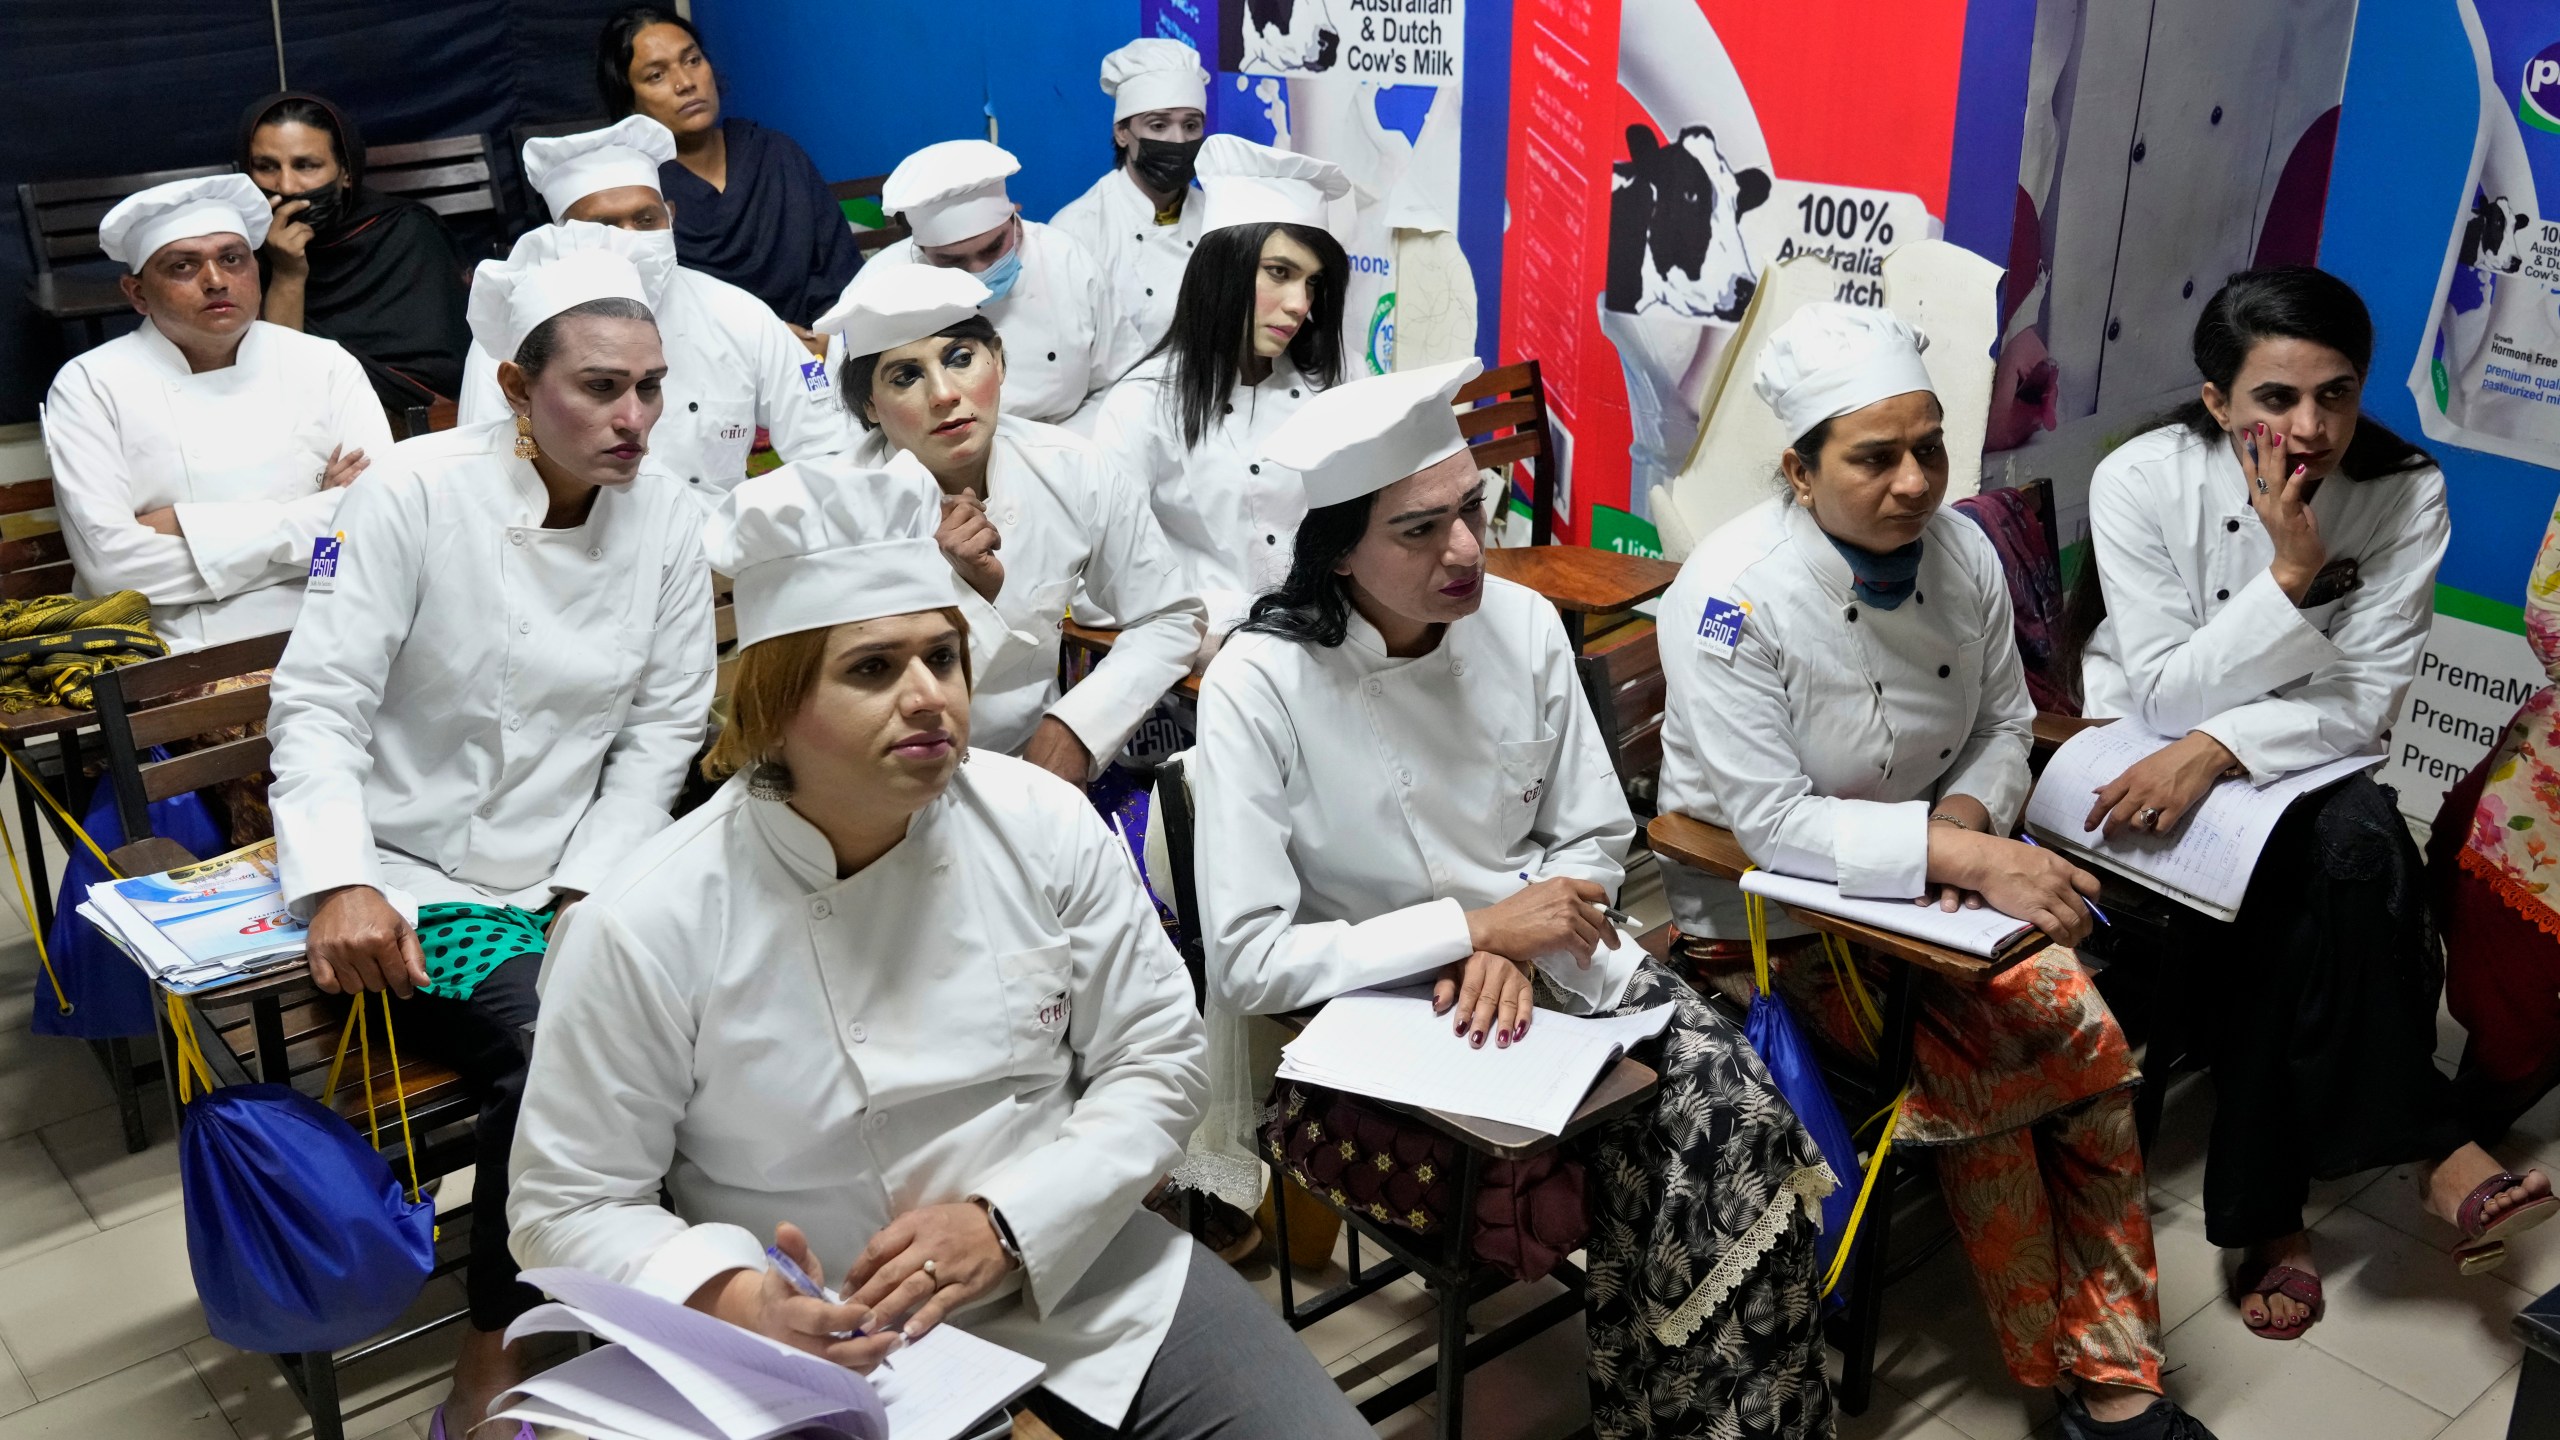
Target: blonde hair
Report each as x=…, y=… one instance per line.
x=774, y=680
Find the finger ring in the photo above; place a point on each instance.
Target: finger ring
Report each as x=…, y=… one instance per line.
x=928, y=1269
x=2151, y=816
x=2262, y=487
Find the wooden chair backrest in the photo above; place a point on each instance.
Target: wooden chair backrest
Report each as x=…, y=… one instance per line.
x=452, y=176
x=136, y=711
x=1503, y=414
x=868, y=187
x=61, y=216
x=1622, y=673
x=34, y=558
x=438, y=414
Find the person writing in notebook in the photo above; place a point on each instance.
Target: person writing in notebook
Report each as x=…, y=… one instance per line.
x=898, y=1004
x=1844, y=694
x=2262, y=569
x=1399, y=779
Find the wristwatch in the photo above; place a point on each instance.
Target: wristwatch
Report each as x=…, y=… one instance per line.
x=1004, y=1232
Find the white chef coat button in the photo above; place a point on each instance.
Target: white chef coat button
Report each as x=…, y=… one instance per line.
x=515, y=537
x=1405, y=776
x=524, y=627
x=857, y=1033
x=1457, y=667
x=1377, y=688
x=595, y=552
x=485, y=809
x=821, y=909
x=515, y=722
x=878, y=1120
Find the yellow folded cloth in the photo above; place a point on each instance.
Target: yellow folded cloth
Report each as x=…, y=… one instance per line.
x=52, y=646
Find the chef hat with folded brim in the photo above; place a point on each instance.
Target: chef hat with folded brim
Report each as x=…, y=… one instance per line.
x=509, y=299
x=568, y=168
x=655, y=260
x=827, y=542
x=1830, y=358
x=951, y=191
x=1243, y=183
x=145, y=220
x=1361, y=437
x=886, y=306
x=1154, y=74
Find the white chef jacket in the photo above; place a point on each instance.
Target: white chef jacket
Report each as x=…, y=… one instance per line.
x=239, y=451
x=1070, y=524
x=1062, y=338
x=732, y=366
x=1353, y=807
x=480, y=709
x=1143, y=261
x=990, y=1010
x=1232, y=518
x=1823, y=737
x=2198, y=636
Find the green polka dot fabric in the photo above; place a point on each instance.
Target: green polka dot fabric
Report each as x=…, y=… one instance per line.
x=463, y=943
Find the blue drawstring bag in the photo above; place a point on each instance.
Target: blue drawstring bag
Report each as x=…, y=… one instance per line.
x=104, y=994
x=299, y=1235
x=1795, y=1072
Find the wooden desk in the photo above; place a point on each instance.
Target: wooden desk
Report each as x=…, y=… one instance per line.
x=1581, y=582
x=1082, y=646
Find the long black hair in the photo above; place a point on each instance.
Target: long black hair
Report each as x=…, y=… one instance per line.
x=613, y=51
x=1212, y=330
x=2280, y=302
x=1313, y=605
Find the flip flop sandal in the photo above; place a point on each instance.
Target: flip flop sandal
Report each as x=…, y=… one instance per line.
x=436, y=1430
x=2259, y=1278
x=2484, y=1246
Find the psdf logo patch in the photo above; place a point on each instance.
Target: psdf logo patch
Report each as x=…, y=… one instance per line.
x=2538, y=101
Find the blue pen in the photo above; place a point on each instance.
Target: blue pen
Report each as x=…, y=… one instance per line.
x=801, y=1282
x=2093, y=909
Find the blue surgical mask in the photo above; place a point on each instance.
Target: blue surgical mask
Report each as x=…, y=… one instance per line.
x=999, y=277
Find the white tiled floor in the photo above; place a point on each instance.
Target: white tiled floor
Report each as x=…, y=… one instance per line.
x=100, y=1334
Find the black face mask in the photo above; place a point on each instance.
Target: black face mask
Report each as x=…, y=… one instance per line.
x=1164, y=166
x=327, y=207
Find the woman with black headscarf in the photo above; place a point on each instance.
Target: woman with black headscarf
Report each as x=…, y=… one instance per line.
x=376, y=273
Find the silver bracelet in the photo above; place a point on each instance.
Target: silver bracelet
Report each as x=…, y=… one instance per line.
x=1937, y=816
x=1004, y=1232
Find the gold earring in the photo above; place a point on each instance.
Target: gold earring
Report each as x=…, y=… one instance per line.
x=525, y=448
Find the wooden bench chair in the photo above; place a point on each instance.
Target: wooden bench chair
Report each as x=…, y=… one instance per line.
x=1622, y=675
x=276, y=1028
x=74, y=284
x=867, y=188
x=454, y=178
x=1503, y=414
x=1455, y=1279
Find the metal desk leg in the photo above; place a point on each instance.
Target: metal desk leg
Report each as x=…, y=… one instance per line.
x=1451, y=1393
x=31, y=829
x=1866, y=1288
x=266, y=1021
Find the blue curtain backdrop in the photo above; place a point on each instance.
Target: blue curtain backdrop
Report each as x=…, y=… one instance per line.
x=111, y=88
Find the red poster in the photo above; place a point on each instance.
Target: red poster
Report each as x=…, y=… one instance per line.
x=1663, y=153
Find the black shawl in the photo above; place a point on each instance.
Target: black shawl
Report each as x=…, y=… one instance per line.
x=775, y=232
x=385, y=281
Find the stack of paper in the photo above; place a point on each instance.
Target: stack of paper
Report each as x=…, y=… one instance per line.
x=1984, y=932
x=1388, y=1045
x=204, y=924
x=677, y=1374
x=2206, y=861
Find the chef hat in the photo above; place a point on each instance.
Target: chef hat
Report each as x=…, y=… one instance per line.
x=827, y=542
x=1830, y=358
x=951, y=190
x=1244, y=183
x=886, y=306
x=145, y=220
x=569, y=168
x=1153, y=74
x=510, y=297
x=1361, y=437
x=649, y=251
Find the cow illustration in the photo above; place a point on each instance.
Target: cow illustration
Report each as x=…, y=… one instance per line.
x=1675, y=227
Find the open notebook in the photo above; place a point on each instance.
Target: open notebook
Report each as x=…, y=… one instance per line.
x=2207, y=861
x=1984, y=932
x=677, y=1374
x=1388, y=1045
